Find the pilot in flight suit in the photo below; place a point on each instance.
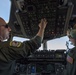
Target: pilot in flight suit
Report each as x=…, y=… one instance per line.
x=13, y=50
x=71, y=56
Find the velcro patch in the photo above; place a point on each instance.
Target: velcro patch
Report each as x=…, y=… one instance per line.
x=69, y=59
x=15, y=44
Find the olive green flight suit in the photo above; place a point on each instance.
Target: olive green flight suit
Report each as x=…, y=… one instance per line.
x=71, y=63
x=12, y=50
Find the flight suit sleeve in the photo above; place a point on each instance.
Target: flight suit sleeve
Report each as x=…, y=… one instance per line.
x=70, y=62
x=32, y=45
x=17, y=50
x=69, y=59
x=74, y=61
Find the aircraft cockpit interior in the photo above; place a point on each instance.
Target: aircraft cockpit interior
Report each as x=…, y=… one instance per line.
x=24, y=18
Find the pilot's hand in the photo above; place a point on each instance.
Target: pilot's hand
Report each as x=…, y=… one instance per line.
x=43, y=23
x=42, y=26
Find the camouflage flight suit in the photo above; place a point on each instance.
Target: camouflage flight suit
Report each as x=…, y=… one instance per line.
x=71, y=63
x=12, y=50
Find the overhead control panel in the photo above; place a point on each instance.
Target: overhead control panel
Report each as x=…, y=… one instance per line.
x=29, y=13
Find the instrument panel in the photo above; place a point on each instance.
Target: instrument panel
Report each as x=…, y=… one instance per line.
x=42, y=62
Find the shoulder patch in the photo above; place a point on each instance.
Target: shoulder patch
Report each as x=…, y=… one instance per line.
x=69, y=59
x=15, y=44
